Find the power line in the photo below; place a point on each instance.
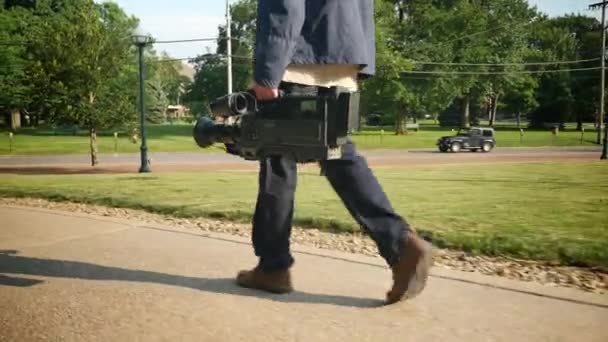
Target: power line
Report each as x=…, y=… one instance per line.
x=192, y=40
x=466, y=36
x=497, y=72
x=509, y=64
x=202, y=57
x=185, y=40
x=166, y=60
x=438, y=77
x=176, y=41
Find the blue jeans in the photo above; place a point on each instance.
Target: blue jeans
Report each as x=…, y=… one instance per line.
x=355, y=184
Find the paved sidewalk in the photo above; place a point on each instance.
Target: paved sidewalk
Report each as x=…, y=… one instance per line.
x=67, y=277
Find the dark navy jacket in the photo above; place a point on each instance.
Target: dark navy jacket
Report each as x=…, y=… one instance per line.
x=313, y=32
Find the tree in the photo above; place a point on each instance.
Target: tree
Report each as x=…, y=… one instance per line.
x=77, y=83
x=14, y=89
x=8, y=4
x=168, y=72
x=507, y=46
x=567, y=95
x=103, y=33
x=394, y=92
x=243, y=29
x=157, y=100
x=585, y=88
x=209, y=83
x=385, y=93
x=520, y=96
x=210, y=80
x=460, y=38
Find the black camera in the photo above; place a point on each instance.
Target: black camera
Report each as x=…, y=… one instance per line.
x=308, y=124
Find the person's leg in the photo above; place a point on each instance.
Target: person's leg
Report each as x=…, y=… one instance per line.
x=272, y=223
x=409, y=256
x=362, y=194
x=272, y=220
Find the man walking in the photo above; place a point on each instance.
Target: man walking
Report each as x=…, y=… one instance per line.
x=323, y=43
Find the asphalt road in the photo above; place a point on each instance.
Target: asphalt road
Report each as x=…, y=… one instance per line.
x=374, y=156
x=68, y=277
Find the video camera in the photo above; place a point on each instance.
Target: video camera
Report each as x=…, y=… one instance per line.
x=308, y=124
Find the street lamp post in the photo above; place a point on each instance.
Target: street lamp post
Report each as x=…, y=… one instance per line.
x=141, y=40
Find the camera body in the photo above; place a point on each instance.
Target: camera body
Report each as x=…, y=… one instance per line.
x=308, y=124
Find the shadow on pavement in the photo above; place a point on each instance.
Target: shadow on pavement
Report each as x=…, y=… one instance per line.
x=460, y=280
x=11, y=263
x=18, y=282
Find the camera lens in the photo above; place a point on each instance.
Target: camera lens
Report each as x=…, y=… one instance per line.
x=241, y=103
x=206, y=133
x=233, y=104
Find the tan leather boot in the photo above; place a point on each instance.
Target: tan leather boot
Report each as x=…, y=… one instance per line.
x=410, y=274
x=275, y=282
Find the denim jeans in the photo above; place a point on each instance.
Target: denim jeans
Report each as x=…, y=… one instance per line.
x=353, y=181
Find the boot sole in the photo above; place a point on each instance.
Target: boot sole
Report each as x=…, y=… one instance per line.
x=274, y=291
x=243, y=282
x=418, y=282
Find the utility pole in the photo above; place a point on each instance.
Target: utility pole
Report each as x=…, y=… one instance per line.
x=602, y=5
x=229, y=45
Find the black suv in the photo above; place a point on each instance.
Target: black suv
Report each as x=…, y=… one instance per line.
x=474, y=139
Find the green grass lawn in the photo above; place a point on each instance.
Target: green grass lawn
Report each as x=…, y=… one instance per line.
x=160, y=138
x=178, y=138
x=504, y=138
x=543, y=211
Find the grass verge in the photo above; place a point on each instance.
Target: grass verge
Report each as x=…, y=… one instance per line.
x=543, y=211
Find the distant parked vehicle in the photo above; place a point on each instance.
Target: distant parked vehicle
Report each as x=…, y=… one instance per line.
x=473, y=139
x=374, y=120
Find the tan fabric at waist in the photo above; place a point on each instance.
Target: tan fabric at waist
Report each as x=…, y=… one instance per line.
x=329, y=75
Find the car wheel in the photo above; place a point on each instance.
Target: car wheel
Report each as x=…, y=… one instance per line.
x=486, y=147
x=456, y=147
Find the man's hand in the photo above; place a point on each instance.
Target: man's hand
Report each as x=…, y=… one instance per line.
x=264, y=93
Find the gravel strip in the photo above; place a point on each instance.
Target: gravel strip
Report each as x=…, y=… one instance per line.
x=589, y=280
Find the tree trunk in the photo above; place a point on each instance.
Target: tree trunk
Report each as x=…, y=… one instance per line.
x=489, y=109
x=400, y=128
x=93, y=134
x=518, y=120
x=400, y=123
x=465, y=118
x=493, y=109
x=15, y=120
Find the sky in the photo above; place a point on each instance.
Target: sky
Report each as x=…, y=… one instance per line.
x=179, y=20
x=190, y=19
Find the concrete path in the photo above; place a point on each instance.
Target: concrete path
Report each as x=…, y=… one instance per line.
x=67, y=277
